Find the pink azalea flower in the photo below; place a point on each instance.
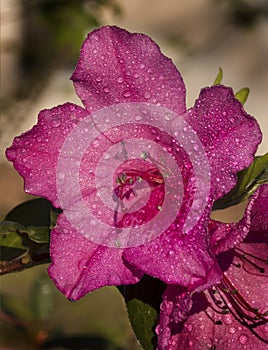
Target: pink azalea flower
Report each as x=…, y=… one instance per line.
x=231, y=314
x=124, y=70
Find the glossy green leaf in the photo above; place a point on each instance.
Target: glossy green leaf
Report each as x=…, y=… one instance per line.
x=143, y=304
x=38, y=234
x=25, y=235
x=218, y=78
x=249, y=180
x=242, y=95
x=35, y=212
x=11, y=244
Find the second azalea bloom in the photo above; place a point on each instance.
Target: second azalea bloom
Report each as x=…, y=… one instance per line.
x=125, y=81
x=231, y=314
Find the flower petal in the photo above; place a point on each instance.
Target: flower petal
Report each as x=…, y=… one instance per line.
x=260, y=210
x=80, y=266
x=229, y=135
x=35, y=153
x=206, y=325
x=204, y=328
x=226, y=236
x=176, y=258
x=116, y=66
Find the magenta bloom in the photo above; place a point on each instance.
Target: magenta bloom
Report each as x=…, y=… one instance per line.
x=128, y=76
x=231, y=314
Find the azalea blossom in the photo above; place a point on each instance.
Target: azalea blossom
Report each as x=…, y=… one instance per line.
x=120, y=71
x=231, y=314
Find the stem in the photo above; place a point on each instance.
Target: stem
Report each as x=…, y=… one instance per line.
x=20, y=264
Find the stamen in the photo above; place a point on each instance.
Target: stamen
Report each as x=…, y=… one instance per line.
x=253, y=256
x=238, y=302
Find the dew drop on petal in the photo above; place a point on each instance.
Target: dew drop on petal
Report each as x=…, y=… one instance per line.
x=243, y=339
x=232, y=330
x=227, y=319
x=56, y=123
x=120, y=80
x=147, y=95
x=126, y=94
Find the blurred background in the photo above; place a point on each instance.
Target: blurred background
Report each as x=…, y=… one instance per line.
x=40, y=42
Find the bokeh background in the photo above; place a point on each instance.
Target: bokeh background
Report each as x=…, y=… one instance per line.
x=40, y=42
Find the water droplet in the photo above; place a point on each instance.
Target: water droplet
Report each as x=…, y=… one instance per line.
x=232, y=330
x=95, y=144
x=147, y=95
x=142, y=66
x=106, y=90
x=190, y=328
x=138, y=117
x=93, y=223
x=127, y=94
x=243, y=339
x=120, y=80
x=227, y=319
x=94, y=51
x=98, y=79
x=56, y=123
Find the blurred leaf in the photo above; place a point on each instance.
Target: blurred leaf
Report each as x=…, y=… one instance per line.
x=42, y=297
x=242, y=95
x=16, y=309
x=218, y=78
x=143, y=304
x=249, y=180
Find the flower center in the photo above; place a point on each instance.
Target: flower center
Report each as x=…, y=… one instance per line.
x=138, y=192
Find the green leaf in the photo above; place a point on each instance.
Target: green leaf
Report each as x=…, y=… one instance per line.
x=37, y=234
x=11, y=243
x=42, y=297
x=242, y=95
x=16, y=308
x=218, y=78
x=25, y=235
x=249, y=180
x=35, y=212
x=143, y=304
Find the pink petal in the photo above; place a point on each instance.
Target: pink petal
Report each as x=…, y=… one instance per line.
x=199, y=323
x=260, y=210
x=204, y=328
x=116, y=66
x=35, y=153
x=229, y=135
x=176, y=258
x=227, y=236
x=80, y=266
